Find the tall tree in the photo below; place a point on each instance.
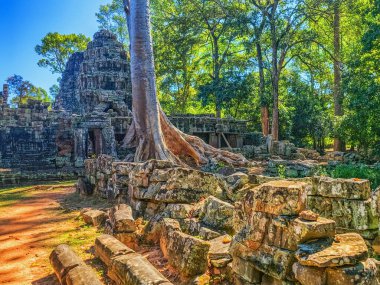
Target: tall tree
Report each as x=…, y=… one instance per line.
x=287, y=29
x=220, y=22
x=338, y=96
x=151, y=132
x=56, y=49
x=258, y=21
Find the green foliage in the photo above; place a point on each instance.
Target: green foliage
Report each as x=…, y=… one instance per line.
x=22, y=90
x=361, y=125
x=206, y=55
x=361, y=171
x=281, y=169
x=55, y=49
x=54, y=90
x=112, y=17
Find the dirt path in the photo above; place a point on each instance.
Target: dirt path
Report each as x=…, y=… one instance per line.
x=31, y=227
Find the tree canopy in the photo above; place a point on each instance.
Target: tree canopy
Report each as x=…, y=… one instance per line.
x=308, y=69
x=22, y=90
x=55, y=49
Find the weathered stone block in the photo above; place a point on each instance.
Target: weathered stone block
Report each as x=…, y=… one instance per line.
x=277, y=197
x=81, y=275
x=273, y=261
x=345, y=249
x=219, y=248
x=349, y=214
x=184, y=252
x=134, y=269
x=122, y=219
x=341, y=188
x=70, y=269
x=287, y=233
x=63, y=259
x=94, y=217
x=217, y=214
x=308, y=275
x=246, y=271
x=108, y=247
x=362, y=273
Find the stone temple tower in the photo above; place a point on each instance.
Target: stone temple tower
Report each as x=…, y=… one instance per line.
x=97, y=80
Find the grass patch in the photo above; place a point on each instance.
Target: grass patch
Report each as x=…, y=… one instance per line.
x=357, y=171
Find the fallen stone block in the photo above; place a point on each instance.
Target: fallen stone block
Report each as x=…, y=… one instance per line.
x=219, y=248
x=184, y=252
x=364, y=272
x=122, y=219
x=81, y=275
x=287, y=233
x=345, y=249
x=107, y=247
x=277, y=198
x=217, y=214
x=94, y=217
x=208, y=234
x=134, y=269
x=64, y=261
x=341, y=188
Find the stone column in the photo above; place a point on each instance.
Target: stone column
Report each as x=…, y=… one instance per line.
x=80, y=138
x=109, y=145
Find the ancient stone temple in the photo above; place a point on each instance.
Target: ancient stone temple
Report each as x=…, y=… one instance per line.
x=97, y=80
x=90, y=117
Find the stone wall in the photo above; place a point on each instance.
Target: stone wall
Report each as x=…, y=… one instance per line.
x=349, y=202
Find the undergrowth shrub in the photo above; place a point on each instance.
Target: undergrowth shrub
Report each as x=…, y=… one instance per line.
x=358, y=171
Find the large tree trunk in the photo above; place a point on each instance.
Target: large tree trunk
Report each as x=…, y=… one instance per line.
x=338, y=107
x=263, y=101
x=275, y=71
x=275, y=83
x=151, y=133
x=216, y=76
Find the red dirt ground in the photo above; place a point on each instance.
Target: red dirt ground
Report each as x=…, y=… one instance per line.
x=25, y=229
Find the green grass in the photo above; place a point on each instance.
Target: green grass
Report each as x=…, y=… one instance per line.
x=357, y=171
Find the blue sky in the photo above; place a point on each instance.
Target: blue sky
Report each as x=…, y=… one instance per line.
x=23, y=23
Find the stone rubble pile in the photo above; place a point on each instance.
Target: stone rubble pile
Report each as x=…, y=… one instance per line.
x=279, y=243
x=242, y=228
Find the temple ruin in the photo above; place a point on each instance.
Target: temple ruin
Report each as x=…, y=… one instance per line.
x=90, y=117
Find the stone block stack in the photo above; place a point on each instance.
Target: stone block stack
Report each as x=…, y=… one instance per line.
x=349, y=202
x=277, y=238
